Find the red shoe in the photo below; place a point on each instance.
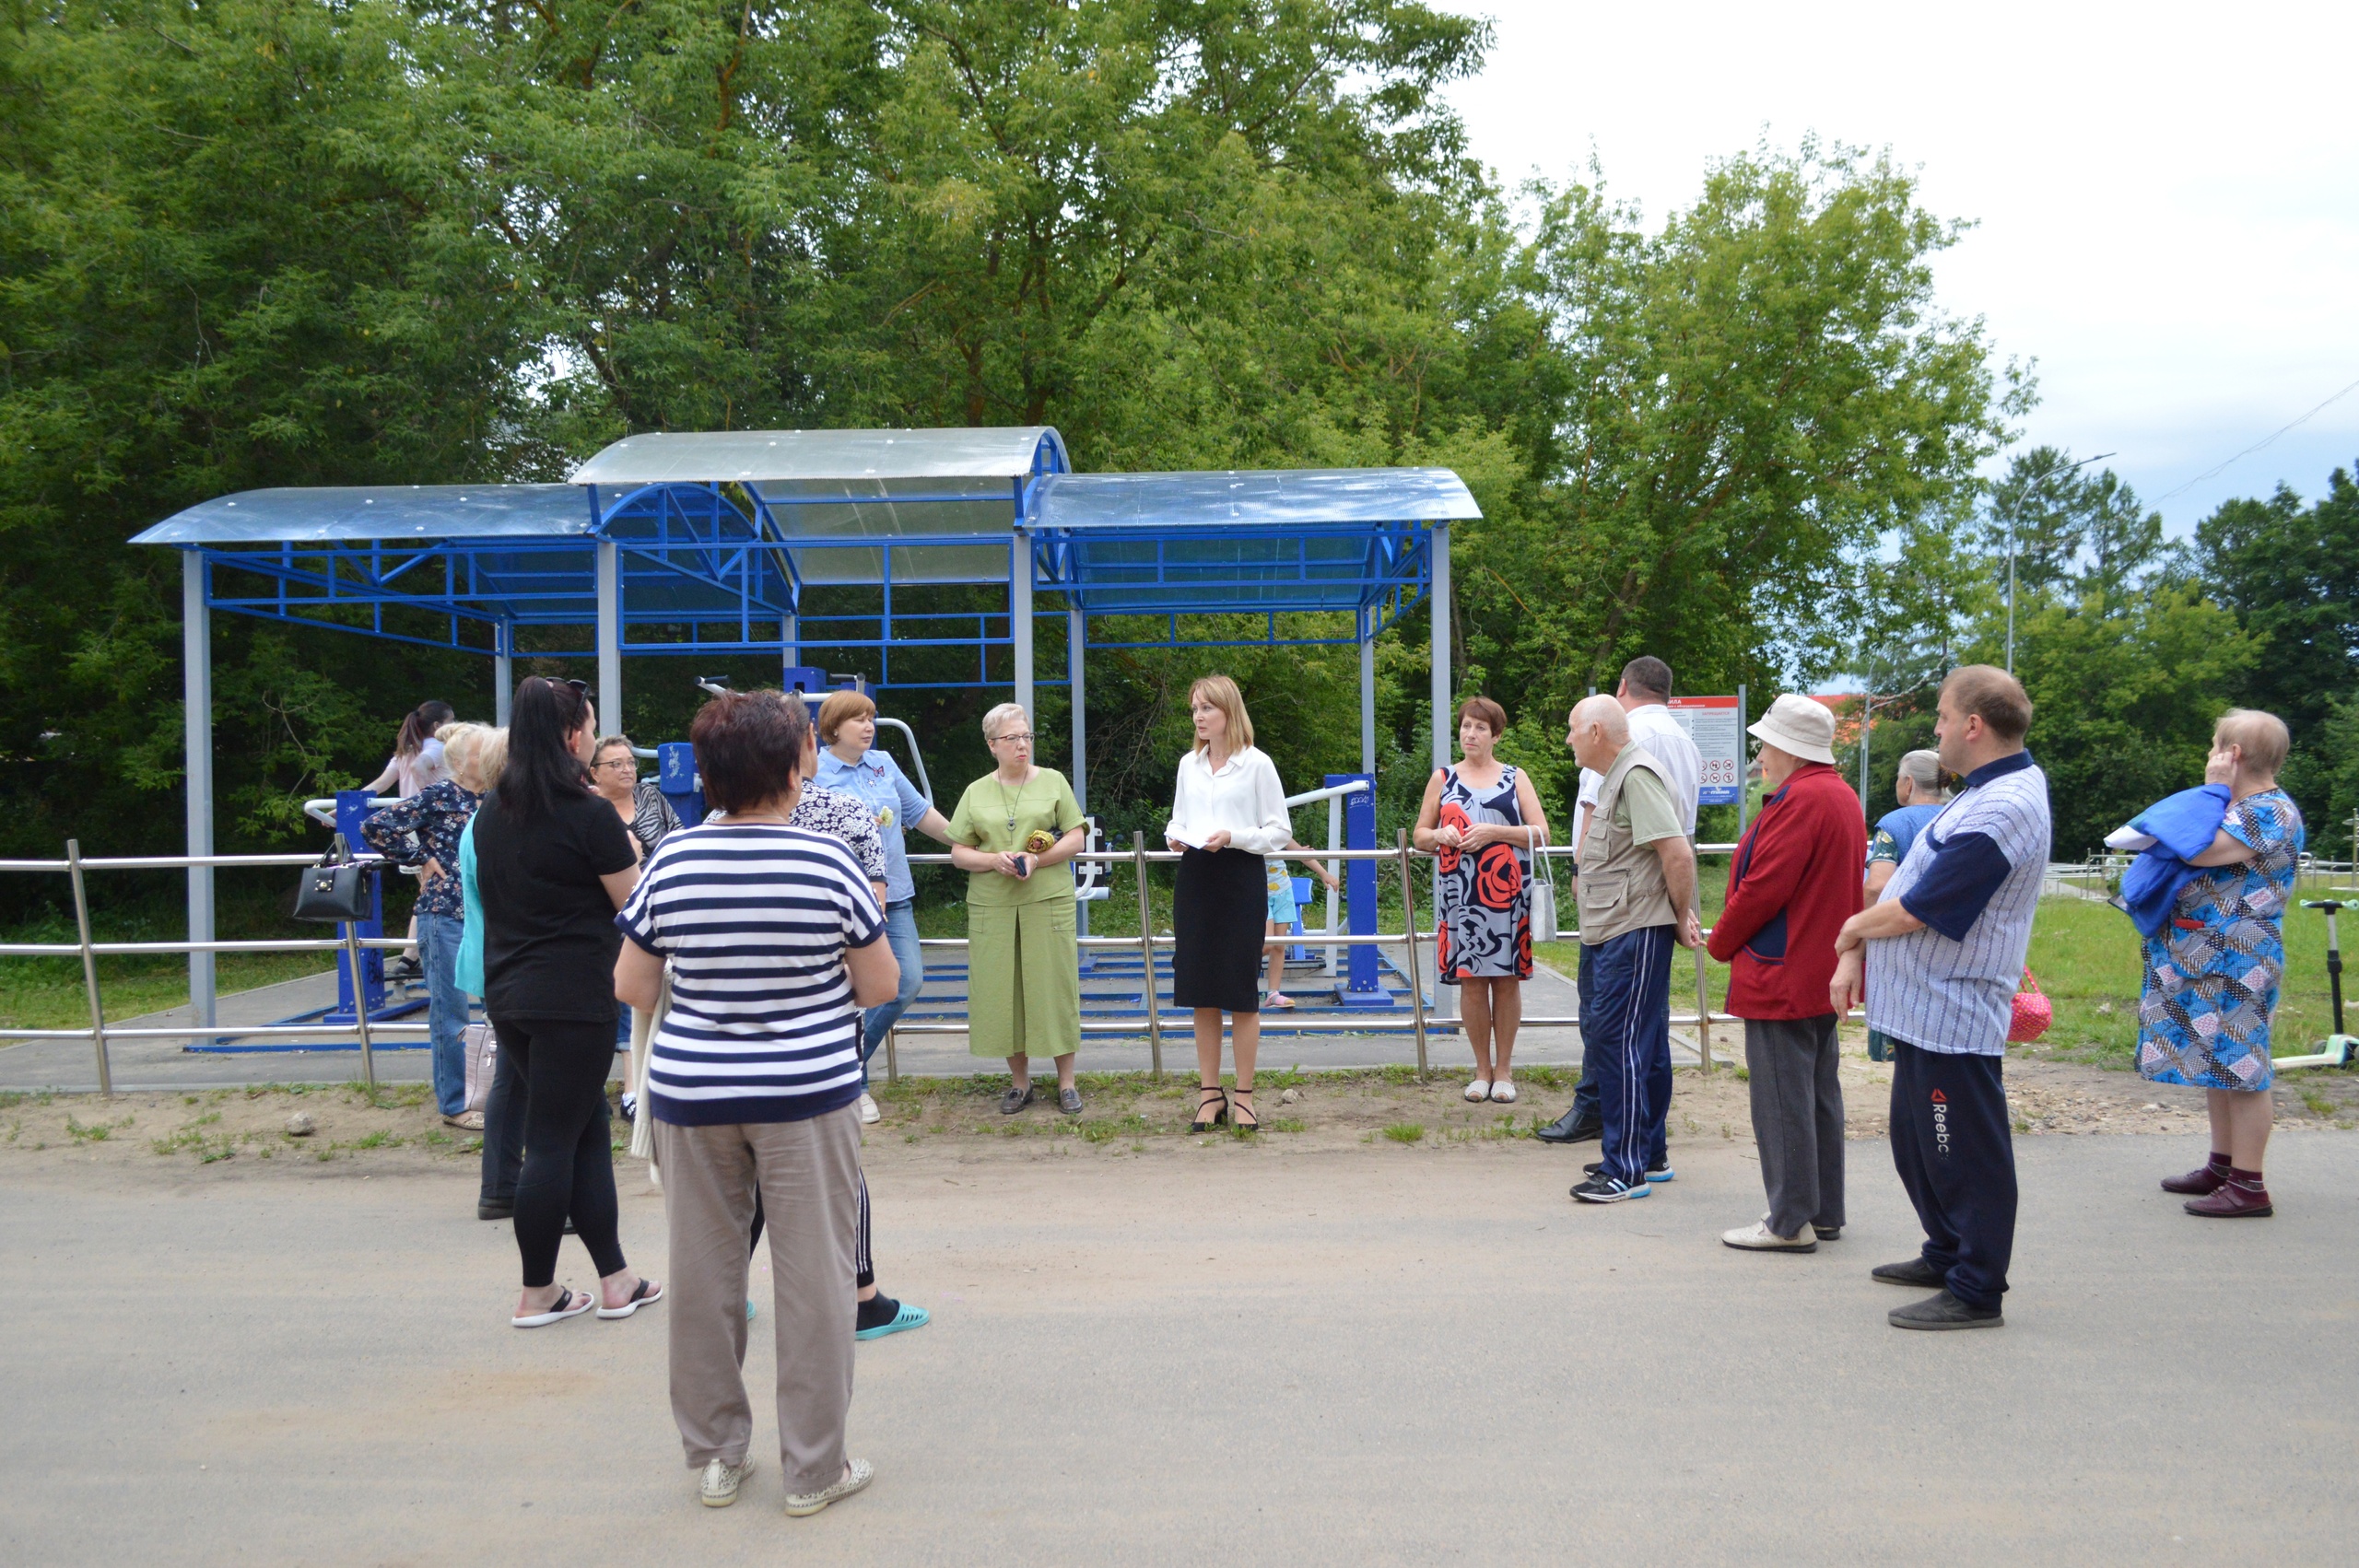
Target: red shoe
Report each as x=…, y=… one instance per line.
x=2204, y=1178
x=2235, y=1201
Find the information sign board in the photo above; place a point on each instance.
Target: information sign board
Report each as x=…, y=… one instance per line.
x=1711, y=723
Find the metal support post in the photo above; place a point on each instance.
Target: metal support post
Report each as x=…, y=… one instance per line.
x=91, y=966
x=1146, y=952
x=610, y=638
x=1019, y=619
x=1409, y=919
x=360, y=1012
x=1743, y=768
x=1077, y=643
x=503, y=673
x=1703, y=1015
x=892, y=1056
x=196, y=677
x=1367, y=702
x=1441, y=688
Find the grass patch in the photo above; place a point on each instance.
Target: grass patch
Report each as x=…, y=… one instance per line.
x=1405, y=1131
x=93, y=1132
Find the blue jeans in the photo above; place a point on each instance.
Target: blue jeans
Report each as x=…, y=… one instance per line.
x=901, y=934
x=1632, y=1025
x=446, y=1009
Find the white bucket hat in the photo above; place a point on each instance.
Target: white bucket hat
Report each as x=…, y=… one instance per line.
x=1799, y=726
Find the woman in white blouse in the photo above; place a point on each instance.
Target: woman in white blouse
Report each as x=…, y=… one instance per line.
x=1226, y=814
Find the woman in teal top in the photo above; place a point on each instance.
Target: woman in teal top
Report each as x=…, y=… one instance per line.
x=1015, y=833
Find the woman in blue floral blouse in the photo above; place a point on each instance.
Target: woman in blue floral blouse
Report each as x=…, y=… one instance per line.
x=2212, y=971
x=422, y=831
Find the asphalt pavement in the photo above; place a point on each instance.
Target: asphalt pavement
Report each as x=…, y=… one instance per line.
x=1366, y=1354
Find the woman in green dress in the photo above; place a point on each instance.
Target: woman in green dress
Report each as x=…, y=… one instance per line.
x=1015, y=833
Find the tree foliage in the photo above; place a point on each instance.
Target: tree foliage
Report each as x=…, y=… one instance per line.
x=253, y=242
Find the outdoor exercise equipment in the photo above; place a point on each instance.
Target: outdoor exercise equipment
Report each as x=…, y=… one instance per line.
x=2340, y=1048
x=791, y=542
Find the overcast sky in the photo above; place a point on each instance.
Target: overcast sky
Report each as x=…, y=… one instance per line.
x=2166, y=196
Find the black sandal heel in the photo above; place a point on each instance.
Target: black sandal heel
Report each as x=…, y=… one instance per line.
x=1209, y=1092
x=1239, y=1107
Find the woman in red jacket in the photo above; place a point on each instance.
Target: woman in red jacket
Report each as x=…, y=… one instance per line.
x=1795, y=880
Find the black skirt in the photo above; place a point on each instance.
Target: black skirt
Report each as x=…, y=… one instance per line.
x=1220, y=922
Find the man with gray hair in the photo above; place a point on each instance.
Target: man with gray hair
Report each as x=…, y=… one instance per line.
x=1637, y=894
x=1918, y=787
x=1645, y=695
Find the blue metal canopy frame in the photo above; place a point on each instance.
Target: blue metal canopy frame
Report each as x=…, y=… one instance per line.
x=715, y=544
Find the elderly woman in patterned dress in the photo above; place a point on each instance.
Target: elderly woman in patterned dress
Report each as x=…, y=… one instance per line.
x=1483, y=819
x=2213, y=973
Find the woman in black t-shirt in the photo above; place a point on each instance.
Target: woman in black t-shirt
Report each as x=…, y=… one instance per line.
x=553, y=863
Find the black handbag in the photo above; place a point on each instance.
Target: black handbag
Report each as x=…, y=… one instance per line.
x=338, y=888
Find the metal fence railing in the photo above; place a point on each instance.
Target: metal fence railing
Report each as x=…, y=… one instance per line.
x=1413, y=943
x=99, y=1033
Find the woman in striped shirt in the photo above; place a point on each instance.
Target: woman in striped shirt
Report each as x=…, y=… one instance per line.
x=772, y=935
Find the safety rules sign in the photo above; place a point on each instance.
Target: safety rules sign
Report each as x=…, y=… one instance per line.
x=1714, y=724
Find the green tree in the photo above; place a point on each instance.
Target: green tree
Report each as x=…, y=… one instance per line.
x=2291, y=573
x=213, y=278
x=1744, y=403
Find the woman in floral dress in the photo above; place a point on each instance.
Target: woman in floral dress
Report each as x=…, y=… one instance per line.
x=1482, y=819
x=2213, y=973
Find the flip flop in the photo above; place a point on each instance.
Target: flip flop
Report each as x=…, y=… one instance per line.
x=569, y=1304
x=648, y=1294
x=1277, y=1002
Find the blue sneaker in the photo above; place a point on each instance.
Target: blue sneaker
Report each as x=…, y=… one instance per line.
x=750, y=1309
x=905, y=1317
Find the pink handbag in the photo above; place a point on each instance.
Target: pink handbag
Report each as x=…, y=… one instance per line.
x=2032, y=1013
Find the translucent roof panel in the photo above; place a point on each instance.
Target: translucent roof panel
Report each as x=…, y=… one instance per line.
x=361, y=513
x=1273, y=499
x=889, y=456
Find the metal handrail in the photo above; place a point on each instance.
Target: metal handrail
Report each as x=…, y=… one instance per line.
x=1139, y=857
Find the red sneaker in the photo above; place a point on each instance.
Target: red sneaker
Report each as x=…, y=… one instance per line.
x=2235, y=1201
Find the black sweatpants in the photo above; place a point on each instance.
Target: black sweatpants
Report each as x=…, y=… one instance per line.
x=1957, y=1157
x=569, y=1152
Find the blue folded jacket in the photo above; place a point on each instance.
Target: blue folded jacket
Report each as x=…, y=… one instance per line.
x=2183, y=826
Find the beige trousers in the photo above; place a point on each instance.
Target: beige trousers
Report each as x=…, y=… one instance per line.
x=808, y=1173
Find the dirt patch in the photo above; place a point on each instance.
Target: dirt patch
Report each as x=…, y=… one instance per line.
x=243, y=1133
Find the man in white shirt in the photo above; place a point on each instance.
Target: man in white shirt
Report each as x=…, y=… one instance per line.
x=1645, y=695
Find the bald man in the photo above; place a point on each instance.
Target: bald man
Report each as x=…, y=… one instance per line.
x=1637, y=898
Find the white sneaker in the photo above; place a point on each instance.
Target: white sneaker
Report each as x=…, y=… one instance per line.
x=1503, y=1092
x=802, y=1504
x=869, y=1115
x=1477, y=1091
x=719, y=1485
x=1758, y=1237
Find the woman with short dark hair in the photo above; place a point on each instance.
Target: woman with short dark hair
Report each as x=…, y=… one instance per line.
x=553, y=864
x=1481, y=820
x=771, y=932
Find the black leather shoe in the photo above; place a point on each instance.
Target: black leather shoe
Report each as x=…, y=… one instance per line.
x=1916, y=1273
x=1565, y=1129
x=495, y=1211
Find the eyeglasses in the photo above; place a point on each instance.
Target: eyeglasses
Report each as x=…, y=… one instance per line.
x=632, y=763
x=1024, y=735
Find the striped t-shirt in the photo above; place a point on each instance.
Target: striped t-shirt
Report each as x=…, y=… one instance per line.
x=1973, y=877
x=754, y=919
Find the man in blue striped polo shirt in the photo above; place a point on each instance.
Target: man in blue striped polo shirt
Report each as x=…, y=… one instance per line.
x=1938, y=957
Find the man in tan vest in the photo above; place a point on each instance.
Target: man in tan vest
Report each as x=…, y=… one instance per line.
x=1638, y=897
